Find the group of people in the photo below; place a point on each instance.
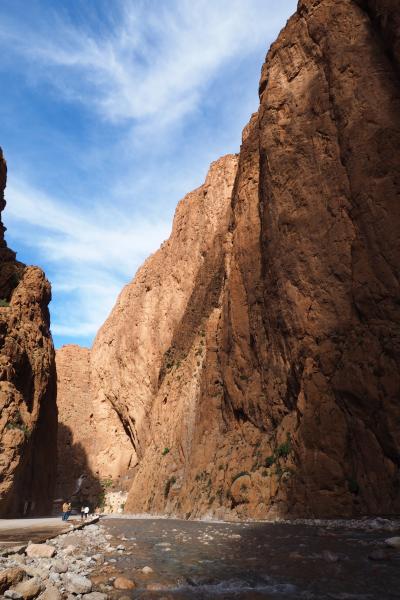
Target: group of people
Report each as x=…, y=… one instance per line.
x=67, y=509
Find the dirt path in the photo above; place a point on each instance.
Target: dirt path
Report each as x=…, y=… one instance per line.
x=20, y=531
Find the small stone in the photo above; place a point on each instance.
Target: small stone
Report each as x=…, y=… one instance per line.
x=147, y=570
x=60, y=567
x=77, y=584
x=393, y=542
x=30, y=588
x=121, y=547
x=69, y=550
x=123, y=583
x=95, y=596
x=40, y=551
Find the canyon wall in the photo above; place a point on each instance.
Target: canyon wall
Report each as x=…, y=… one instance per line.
x=94, y=452
x=253, y=362
x=28, y=414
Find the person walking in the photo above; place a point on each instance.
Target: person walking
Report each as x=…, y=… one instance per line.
x=82, y=512
x=64, y=511
x=68, y=513
x=86, y=509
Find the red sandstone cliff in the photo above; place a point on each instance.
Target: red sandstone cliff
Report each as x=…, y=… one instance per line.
x=254, y=359
x=93, y=448
x=28, y=414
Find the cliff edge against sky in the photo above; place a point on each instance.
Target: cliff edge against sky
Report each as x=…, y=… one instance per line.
x=253, y=362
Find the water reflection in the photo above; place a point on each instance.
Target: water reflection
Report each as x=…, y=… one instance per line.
x=252, y=561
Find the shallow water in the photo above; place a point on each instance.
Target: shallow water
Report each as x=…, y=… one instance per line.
x=253, y=561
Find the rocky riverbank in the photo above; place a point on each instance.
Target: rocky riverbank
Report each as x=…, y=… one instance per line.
x=60, y=568
x=168, y=559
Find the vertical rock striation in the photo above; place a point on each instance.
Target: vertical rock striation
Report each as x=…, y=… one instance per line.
x=312, y=313
x=28, y=414
x=93, y=448
x=254, y=359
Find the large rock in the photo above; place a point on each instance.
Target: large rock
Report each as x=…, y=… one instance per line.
x=40, y=551
x=77, y=584
x=50, y=593
x=123, y=583
x=10, y=577
x=29, y=588
x=28, y=415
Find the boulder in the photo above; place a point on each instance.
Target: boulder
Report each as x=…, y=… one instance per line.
x=10, y=577
x=50, y=593
x=60, y=567
x=40, y=551
x=29, y=588
x=77, y=584
x=123, y=583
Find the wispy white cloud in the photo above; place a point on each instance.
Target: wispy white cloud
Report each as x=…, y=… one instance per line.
x=156, y=59
x=90, y=254
x=122, y=95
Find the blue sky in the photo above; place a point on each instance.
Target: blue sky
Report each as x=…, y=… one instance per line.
x=110, y=112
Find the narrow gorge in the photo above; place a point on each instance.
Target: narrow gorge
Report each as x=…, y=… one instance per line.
x=251, y=367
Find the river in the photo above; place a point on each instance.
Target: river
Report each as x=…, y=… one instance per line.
x=253, y=561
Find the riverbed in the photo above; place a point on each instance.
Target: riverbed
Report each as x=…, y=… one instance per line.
x=253, y=561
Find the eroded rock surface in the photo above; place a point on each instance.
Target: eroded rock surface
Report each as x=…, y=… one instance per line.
x=254, y=359
x=28, y=414
x=94, y=452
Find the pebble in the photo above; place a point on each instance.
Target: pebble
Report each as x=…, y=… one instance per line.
x=147, y=570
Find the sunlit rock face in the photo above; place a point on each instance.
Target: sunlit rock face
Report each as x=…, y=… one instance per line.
x=254, y=359
x=94, y=452
x=28, y=414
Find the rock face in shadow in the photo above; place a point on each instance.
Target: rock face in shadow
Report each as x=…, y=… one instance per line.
x=254, y=359
x=94, y=452
x=28, y=414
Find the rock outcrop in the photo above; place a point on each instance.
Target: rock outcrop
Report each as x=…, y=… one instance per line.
x=94, y=452
x=254, y=359
x=28, y=414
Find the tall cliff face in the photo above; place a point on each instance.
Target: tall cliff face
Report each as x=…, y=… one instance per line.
x=311, y=315
x=254, y=360
x=147, y=360
x=28, y=414
x=93, y=447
